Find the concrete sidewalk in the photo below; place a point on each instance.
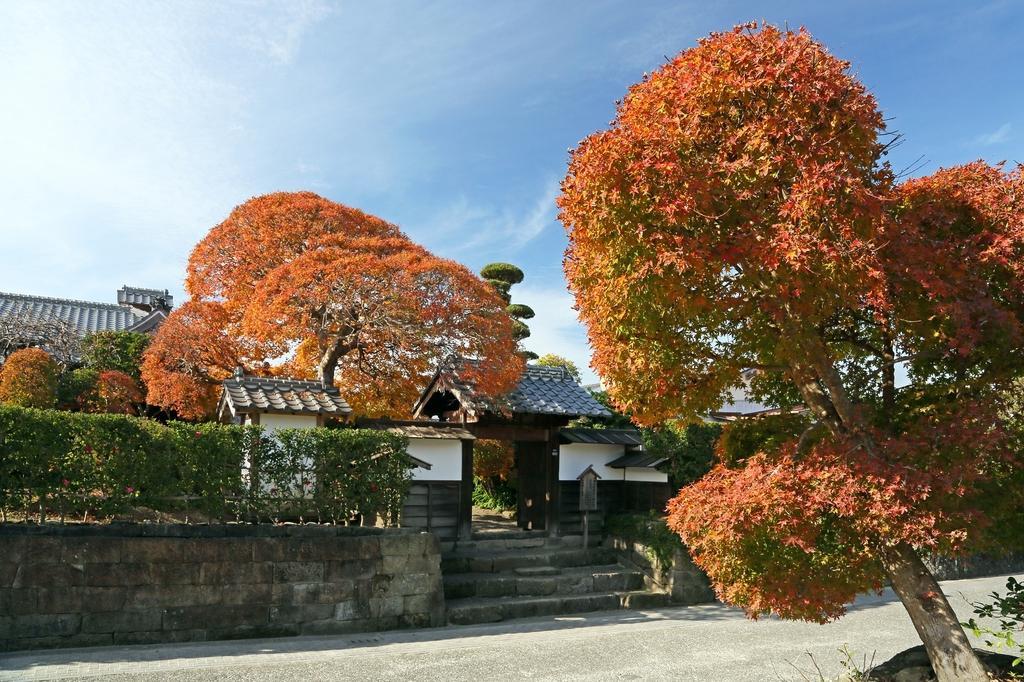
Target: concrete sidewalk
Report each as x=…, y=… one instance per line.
x=705, y=643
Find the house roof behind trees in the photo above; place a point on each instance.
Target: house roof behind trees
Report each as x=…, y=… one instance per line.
x=136, y=310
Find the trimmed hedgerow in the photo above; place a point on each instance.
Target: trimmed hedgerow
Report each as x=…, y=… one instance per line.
x=91, y=466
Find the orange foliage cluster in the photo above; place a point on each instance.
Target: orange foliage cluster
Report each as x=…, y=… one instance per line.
x=737, y=215
x=29, y=378
x=493, y=459
x=292, y=283
x=799, y=535
x=188, y=358
x=737, y=187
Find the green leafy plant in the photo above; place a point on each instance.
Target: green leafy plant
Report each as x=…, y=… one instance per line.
x=648, y=530
x=90, y=466
x=1008, y=611
x=689, y=449
x=117, y=351
x=500, y=495
x=744, y=438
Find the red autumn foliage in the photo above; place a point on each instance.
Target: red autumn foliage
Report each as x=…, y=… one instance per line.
x=311, y=288
x=118, y=392
x=738, y=215
x=799, y=534
x=29, y=378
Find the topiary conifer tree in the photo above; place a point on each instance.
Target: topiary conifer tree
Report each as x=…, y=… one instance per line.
x=503, y=276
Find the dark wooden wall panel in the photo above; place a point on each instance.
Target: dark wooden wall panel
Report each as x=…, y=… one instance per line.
x=433, y=506
x=613, y=497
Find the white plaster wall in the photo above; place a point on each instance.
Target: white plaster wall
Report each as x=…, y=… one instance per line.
x=274, y=422
x=444, y=454
x=645, y=475
x=575, y=457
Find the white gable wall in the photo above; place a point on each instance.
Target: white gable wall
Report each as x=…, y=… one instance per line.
x=574, y=458
x=444, y=454
x=275, y=422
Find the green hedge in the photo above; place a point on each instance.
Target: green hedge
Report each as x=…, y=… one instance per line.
x=95, y=466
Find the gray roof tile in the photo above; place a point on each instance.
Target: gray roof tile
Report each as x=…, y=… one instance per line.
x=552, y=390
x=286, y=396
x=541, y=390
x=628, y=437
x=84, y=316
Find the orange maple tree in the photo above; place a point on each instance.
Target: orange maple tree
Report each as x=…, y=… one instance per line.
x=188, y=358
x=29, y=378
x=311, y=288
x=738, y=215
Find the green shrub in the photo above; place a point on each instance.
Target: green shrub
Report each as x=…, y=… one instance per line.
x=99, y=465
x=649, y=530
x=78, y=389
x=689, y=448
x=498, y=494
x=746, y=437
x=120, y=351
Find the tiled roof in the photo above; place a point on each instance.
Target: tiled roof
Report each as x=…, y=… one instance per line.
x=628, y=437
x=639, y=459
x=84, y=316
x=146, y=298
x=541, y=390
x=283, y=396
x=552, y=390
x=424, y=429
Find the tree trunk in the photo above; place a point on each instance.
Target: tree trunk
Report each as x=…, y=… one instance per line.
x=949, y=651
x=329, y=361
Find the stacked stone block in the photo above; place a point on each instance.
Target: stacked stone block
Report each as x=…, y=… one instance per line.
x=135, y=584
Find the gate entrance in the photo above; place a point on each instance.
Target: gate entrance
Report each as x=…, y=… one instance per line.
x=531, y=509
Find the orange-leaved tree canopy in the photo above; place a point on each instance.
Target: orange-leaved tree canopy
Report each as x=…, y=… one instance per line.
x=29, y=378
x=738, y=216
x=311, y=288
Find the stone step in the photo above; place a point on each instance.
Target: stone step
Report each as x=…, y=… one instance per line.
x=537, y=570
x=494, y=609
x=583, y=580
x=477, y=561
x=508, y=540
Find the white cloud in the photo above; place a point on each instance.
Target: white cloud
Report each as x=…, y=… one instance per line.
x=997, y=136
x=464, y=227
x=122, y=136
x=279, y=33
x=555, y=329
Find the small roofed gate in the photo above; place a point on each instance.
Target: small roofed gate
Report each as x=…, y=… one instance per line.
x=545, y=400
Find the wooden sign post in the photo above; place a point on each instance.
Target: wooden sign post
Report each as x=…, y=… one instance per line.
x=588, y=498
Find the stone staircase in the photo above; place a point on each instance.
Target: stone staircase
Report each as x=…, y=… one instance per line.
x=497, y=577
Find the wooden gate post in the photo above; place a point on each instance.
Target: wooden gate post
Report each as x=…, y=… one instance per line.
x=553, y=496
x=466, y=492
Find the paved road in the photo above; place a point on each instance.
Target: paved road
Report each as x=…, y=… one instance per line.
x=703, y=643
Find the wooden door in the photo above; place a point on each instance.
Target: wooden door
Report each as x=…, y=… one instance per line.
x=532, y=482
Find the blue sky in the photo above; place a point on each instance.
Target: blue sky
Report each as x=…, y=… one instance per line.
x=128, y=129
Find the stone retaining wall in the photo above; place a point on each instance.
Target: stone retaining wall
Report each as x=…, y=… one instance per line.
x=133, y=584
x=679, y=578
x=974, y=566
